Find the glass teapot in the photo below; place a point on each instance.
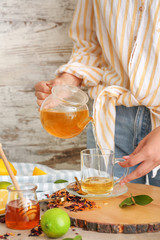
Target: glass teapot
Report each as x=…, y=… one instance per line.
x=64, y=113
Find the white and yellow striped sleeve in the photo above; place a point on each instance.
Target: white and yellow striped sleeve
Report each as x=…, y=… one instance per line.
x=86, y=55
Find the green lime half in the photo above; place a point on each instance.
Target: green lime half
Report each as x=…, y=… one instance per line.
x=4, y=185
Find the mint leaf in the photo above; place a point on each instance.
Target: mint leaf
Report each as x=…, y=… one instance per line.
x=78, y=237
x=139, y=199
x=67, y=239
x=60, y=181
x=142, y=199
x=126, y=202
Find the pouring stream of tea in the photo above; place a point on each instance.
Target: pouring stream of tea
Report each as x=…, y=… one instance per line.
x=95, y=138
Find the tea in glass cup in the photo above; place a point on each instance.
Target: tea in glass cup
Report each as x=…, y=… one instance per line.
x=22, y=213
x=97, y=169
x=97, y=185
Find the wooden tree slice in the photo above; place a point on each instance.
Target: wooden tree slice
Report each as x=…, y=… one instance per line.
x=110, y=218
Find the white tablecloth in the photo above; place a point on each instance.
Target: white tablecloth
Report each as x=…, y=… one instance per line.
x=45, y=183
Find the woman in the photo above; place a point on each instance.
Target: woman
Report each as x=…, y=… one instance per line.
x=116, y=54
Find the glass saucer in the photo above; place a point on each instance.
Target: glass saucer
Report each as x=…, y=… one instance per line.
x=117, y=191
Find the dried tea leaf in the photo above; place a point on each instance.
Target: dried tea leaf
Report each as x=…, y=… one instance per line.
x=142, y=199
x=126, y=202
x=60, y=181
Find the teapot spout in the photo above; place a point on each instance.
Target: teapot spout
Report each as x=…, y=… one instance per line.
x=83, y=124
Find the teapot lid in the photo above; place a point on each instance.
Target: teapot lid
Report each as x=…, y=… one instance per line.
x=70, y=95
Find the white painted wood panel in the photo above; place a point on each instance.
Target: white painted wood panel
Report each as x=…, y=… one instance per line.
x=33, y=43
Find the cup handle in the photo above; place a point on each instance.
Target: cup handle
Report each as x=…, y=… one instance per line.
x=126, y=170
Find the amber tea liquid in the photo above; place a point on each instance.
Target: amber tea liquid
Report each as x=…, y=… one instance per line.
x=97, y=185
x=64, y=124
x=22, y=218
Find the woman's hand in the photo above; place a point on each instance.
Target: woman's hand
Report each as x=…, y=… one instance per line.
x=147, y=154
x=43, y=88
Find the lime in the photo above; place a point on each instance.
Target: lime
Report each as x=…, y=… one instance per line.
x=4, y=185
x=55, y=222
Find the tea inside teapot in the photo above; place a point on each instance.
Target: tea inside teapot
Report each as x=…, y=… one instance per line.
x=64, y=114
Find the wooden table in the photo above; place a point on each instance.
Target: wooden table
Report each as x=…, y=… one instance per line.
x=86, y=235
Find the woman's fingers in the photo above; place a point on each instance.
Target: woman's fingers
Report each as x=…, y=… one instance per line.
x=39, y=102
x=144, y=168
x=42, y=86
x=133, y=160
x=147, y=157
x=43, y=90
x=41, y=95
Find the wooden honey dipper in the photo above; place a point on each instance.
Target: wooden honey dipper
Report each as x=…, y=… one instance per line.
x=24, y=207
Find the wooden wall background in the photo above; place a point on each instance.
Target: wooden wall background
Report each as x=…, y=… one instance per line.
x=33, y=43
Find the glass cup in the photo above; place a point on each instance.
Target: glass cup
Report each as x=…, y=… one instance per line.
x=97, y=171
x=22, y=209
x=64, y=113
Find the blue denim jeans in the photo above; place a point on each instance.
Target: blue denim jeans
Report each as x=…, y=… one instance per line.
x=132, y=125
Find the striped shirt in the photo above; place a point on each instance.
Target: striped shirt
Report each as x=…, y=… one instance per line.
x=116, y=52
